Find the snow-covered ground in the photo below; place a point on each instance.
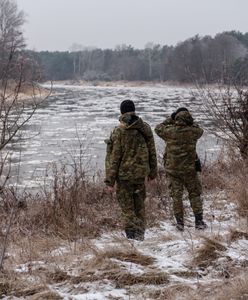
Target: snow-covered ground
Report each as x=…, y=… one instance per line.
x=167, y=265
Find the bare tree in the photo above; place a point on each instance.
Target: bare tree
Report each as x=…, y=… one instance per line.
x=228, y=105
x=17, y=71
x=11, y=37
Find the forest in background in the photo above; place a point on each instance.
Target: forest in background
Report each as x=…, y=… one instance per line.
x=206, y=59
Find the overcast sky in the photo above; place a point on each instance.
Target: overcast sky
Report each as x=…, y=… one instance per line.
x=57, y=24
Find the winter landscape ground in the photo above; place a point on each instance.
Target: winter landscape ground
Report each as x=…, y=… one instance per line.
x=167, y=265
x=66, y=240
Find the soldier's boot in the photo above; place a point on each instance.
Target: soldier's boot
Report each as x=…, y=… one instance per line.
x=199, y=223
x=130, y=233
x=180, y=223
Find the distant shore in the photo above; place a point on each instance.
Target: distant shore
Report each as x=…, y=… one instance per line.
x=120, y=83
x=27, y=94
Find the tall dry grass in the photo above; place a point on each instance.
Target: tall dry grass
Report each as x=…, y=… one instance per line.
x=236, y=288
x=74, y=206
x=230, y=174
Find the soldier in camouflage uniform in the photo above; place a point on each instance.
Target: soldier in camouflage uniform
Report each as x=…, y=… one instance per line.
x=181, y=137
x=171, y=121
x=130, y=159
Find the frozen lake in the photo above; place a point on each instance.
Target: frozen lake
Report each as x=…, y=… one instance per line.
x=76, y=115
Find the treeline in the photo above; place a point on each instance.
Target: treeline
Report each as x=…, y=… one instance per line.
x=205, y=59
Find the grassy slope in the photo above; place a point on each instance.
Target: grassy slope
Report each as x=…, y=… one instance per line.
x=53, y=262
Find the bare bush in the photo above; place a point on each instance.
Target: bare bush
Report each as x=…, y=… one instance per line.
x=228, y=106
x=16, y=71
x=158, y=204
x=214, y=176
x=75, y=207
x=239, y=190
x=229, y=173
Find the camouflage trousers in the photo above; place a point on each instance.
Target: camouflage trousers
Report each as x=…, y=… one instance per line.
x=176, y=185
x=131, y=197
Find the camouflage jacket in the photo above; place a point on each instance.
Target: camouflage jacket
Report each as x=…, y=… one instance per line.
x=181, y=138
x=131, y=153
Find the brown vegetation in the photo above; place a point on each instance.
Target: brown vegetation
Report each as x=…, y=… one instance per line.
x=76, y=209
x=228, y=106
x=229, y=174
x=128, y=254
x=236, y=289
x=236, y=234
x=208, y=252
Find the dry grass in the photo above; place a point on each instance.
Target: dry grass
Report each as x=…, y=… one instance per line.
x=5, y=288
x=33, y=248
x=214, y=176
x=73, y=208
x=235, y=289
x=149, y=278
x=235, y=235
x=98, y=269
x=76, y=206
x=105, y=265
x=186, y=274
x=240, y=194
x=102, y=268
x=158, y=202
x=128, y=254
x=164, y=238
x=57, y=276
x=178, y=291
x=12, y=284
x=229, y=173
x=209, y=251
x=237, y=171
x=47, y=295
x=29, y=291
x=77, y=209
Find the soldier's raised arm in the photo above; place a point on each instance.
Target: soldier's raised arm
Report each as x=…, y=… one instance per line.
x=161, y=130
x=197, y=130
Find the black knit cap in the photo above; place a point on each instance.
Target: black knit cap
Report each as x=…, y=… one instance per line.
x=127, y=106
x=173, y=115
x=181, y=109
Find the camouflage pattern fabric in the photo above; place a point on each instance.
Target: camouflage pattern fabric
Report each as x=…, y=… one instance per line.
x=131, y=153
x=131, y=198
x=130, y=158
x=198, y=168
x=181, y=138
x=168, y=121
x=193, y=186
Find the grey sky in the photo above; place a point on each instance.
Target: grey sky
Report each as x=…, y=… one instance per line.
x=57, y=24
